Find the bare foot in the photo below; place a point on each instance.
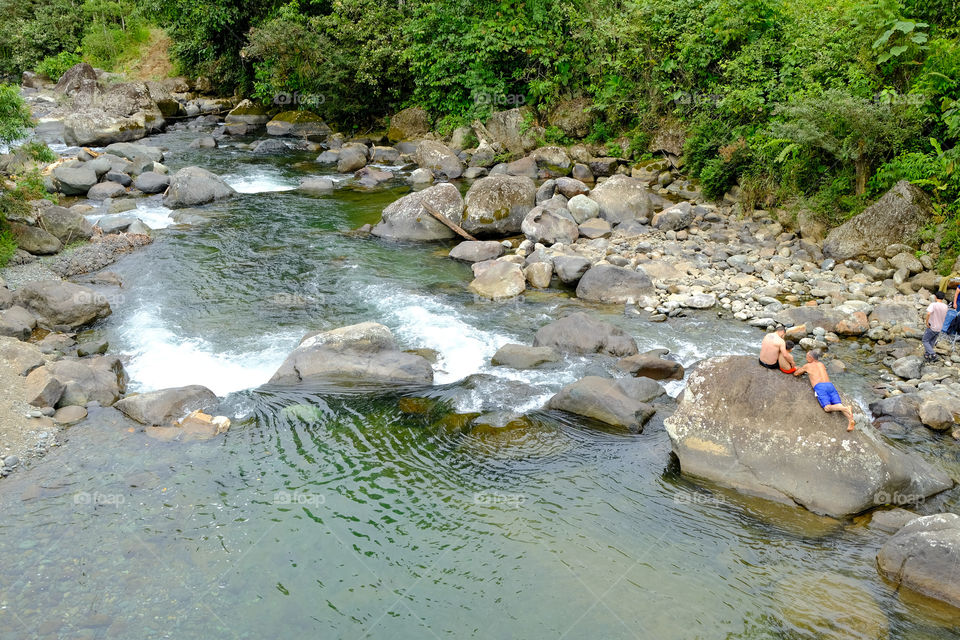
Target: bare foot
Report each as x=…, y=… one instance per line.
x=851, y=424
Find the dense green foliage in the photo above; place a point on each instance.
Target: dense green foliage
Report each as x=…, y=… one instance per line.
x=820, y=104
x=14, y=115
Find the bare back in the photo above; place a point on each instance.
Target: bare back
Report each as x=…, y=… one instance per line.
x=771, y=347
x=817, y=373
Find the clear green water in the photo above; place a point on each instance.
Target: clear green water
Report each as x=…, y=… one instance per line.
x=330, y=513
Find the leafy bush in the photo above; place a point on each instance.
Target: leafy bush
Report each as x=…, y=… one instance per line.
x=15, y=117
x=39, y=151
x=8, y=246
x=55, y=66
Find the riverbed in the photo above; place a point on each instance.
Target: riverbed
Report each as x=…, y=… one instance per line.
x=349, y=513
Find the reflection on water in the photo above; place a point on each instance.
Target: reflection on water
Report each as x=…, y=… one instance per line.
x=397, y=513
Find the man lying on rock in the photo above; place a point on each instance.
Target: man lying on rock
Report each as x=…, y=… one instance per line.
x=773, y=349
x=827, y=394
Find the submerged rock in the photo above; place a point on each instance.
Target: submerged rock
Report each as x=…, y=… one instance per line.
x=621, y=402
x=924, y=556
x=582, y=334
x=365, y=352
x=764, y=433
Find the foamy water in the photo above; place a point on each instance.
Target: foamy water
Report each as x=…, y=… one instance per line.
x=264, y=180
x=163, y=360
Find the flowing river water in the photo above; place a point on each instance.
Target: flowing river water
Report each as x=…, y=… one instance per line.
x=338, y=513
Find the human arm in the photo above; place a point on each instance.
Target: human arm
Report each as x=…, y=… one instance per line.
x=802, y=370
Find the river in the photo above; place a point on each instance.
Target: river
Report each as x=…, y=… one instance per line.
x=338, y=513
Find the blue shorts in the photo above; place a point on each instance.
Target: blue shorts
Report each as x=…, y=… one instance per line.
x=827, y=394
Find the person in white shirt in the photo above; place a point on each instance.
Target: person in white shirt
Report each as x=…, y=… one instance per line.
x=936, y=314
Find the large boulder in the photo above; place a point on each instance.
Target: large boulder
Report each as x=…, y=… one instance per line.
x=499, y=281
x=477, y=250
x=21, y=357
x=97, y=128
x=152, y=182
x=764, y=433
x=409, y=124
x=193, y=186
x=497, y=205
x=62, y=304
x=511, y=129
x=34, y=239
x=67, y=225
x=74, y=78
x=520, y=356
x=365, y=352
x=98, y=378
x=74, y=181
x=299, y=124
x=249, y=113
x=550, y=226
x=406, y=218
x=573, y=117
x=677, y=217
x=17, y=322
x=649, y=365
x=132, y=151
x=893, y=219
x=617, y=285
x=621, y=402
x=570, y=268
x=166, y=406
x=821, y=316
x=622, y=199
x=582, y=334
x=436, y=156
x=924, y=556
x=352, y=157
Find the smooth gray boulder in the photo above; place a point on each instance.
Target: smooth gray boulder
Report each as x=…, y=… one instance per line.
x=407, y=219
x=617, y=285
x=166, y=406
x=497, y=205
x=193, y=186
x=17, y=322
x=679, y=216
x=477, y=250
x=893, y=219
x=570, y=268
x=501, y=280
x=365, y=353
x=317, y=186
x=132, y=151
x=622, y=199
x=351, y=157
x=924, y=556
x=98, y=378
x=436, y=156
x=648, y=365
x=62, y=304
x=74, y=181
x=621, y=402
x=550, y=226
x=764, y=433
x=66, y=225
x=34, y=239
x=520, y=356
x=105, y=190
x=582, y=334
x=152, y=182
x=300, y=124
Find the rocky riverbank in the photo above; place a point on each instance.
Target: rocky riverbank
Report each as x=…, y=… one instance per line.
x=572, y=219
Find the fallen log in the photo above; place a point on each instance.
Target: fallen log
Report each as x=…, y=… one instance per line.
x=457, y=229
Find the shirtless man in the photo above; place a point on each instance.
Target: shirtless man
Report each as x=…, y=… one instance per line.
x=786, y=362
x=773, y=348
x=827, y=394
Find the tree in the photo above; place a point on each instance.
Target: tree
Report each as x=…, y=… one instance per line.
x=14, y=115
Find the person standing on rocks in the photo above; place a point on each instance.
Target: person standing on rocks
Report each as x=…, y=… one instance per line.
x=827, y=394
x=773, y=348
x=936, y=314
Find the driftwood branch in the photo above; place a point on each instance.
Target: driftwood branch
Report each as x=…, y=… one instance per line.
x=457, y=229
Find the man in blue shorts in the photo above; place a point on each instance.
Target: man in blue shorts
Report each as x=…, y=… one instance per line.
x=827, y=394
